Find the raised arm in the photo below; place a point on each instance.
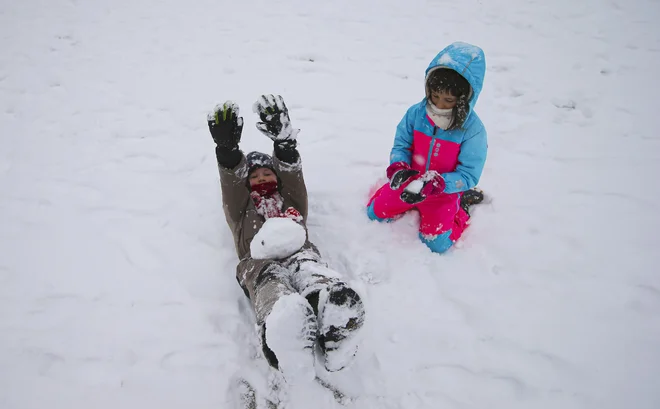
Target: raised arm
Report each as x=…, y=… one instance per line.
x=226, y=127
x=293, y=182
x=276, y=124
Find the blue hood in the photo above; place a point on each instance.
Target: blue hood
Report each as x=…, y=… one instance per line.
x=466, y=59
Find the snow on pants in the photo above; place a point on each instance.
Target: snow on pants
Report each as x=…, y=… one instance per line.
x=442, y=220
x=265, y=281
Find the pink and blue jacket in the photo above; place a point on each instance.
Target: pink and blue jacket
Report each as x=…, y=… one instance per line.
x=458, y=155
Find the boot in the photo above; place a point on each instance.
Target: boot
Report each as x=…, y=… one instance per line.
x=340, y=315
x=471, y=197
x=288, y=336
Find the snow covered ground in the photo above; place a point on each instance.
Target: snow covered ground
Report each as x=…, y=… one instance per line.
x=117, y=285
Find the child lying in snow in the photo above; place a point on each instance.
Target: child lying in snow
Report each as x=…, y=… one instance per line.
x=439, y=151
x=297, y=299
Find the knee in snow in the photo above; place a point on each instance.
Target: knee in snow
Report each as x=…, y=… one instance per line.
x=439, y=243
x=371, y=213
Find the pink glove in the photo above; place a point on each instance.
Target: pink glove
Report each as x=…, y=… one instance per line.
x=293, y=213
x=434, y=184
x=395, y=167
x=398, y=173
x=431, y=183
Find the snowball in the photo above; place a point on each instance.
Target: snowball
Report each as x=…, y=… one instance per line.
x=279, y=237
x=415, y=186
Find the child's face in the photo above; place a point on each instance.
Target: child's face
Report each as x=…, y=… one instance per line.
x=443, y=99
x=262, y=175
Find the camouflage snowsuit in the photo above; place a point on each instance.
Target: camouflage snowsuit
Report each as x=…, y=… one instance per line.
x=264, y=281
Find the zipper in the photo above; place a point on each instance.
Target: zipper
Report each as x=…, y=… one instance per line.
x=431, y=146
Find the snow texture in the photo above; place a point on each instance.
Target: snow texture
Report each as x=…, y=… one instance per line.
x=289, y=167
x=339, y=354
x=117, y=269
x=268, y=206
x=262, y=160
x=290, y=331
x=278, y=238
x=287, y=132
x=233, y=106
x=343, y=355
x=468, y=48
x=445, y=60
x=415, y=186
x=306, y=279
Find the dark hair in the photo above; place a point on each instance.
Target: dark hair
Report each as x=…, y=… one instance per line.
x=448, y=80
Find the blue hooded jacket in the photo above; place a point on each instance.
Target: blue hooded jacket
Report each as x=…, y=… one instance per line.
x=461, y=153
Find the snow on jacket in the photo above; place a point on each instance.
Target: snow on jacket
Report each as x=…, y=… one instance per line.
x=255, y=275
x=458, y=155
x=240, y=211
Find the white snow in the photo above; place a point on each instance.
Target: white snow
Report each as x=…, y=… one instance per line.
x=415, y=186
x=117, y=269
x=278, y=238
x=287, y=132
x=221, y=107
x=445, y=59
x=339, y=354
x=286, y=330
x=468, y=48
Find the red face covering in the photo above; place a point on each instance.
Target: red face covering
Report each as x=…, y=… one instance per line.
x=265, y=189
x=268, y=202
x=267, y=199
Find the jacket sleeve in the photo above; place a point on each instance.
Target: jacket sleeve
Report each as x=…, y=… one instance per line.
x=403, y=139
x=235, y=194
x=471, y=160
x=292, y=183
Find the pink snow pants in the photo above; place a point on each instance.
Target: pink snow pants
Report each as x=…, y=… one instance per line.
x=442, y=220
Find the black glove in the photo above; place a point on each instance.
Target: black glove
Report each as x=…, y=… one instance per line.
x=411, y=197
x=226, y=126
x=276, y=125
x=275, y=120
x=430, y=184
x=401, y=176
x=398, y=173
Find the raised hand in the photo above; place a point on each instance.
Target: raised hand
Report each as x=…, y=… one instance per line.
x=225, y=125
x=275, y=122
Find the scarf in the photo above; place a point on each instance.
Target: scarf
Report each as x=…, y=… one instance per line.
x=440, y=117
x=268, y=202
